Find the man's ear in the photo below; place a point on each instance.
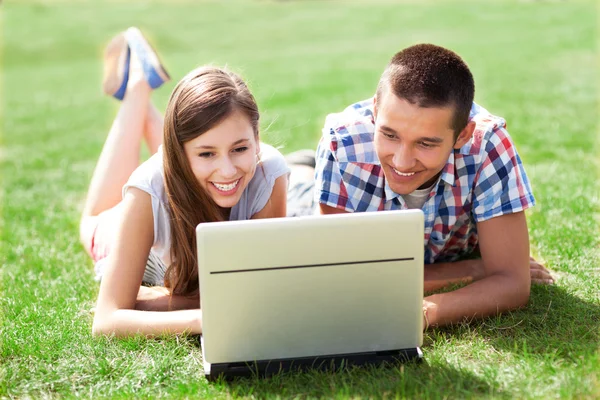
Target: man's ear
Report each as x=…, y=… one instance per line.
x=465, y=135
x=375, y=107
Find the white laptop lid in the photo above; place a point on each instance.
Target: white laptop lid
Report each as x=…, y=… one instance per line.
x=311, y=286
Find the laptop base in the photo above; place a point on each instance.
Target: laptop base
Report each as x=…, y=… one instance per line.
x=266, y=368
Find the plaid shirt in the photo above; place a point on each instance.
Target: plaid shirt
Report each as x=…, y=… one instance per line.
x=481, y=180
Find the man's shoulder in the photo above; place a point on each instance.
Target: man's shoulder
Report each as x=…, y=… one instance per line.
x=349, y=133
x=490, y=132
x=353, y=120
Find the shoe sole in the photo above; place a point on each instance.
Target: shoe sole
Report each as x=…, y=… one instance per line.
x=116, y=70
x=154, y=71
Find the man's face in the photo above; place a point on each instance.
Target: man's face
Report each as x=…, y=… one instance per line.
x=413, y=143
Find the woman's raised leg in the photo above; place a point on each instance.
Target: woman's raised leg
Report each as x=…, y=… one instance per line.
x=120, y=155
x=153, y=132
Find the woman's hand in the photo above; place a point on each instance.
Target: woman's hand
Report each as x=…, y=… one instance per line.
x=152, y=299
x=158, y=298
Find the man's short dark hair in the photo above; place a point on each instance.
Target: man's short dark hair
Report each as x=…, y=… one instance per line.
x=431, y=76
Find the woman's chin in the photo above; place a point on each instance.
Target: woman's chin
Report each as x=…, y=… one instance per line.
x=226, y=203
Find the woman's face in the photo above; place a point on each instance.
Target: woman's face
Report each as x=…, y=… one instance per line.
x=224, y=158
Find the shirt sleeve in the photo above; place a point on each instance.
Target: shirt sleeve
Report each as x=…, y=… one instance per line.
x=501, y=185
x=271, y=167
x=329, y=186
x=148, y=178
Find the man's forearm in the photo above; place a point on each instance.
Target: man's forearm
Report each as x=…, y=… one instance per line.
x=440, y=275
x=488, y=296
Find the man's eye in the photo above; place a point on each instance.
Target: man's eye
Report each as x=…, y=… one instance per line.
x=240, y=149
x=206, y=154
x=425, y=145
x=388, y=135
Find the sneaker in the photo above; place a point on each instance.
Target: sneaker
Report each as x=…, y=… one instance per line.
x=154, y=71
x=116, y=67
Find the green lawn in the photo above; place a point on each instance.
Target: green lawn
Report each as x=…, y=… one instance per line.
x=535, y=63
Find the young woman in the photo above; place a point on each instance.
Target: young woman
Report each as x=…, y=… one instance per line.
x=139, y=221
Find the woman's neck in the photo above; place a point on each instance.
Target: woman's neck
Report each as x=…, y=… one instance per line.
x=225, y=212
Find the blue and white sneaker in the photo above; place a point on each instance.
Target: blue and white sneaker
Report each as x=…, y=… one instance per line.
x=155, y=73
x=116, y=67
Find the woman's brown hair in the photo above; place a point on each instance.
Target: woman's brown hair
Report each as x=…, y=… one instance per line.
x=201, y=100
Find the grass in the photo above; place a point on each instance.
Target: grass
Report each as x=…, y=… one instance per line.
x=535, y=63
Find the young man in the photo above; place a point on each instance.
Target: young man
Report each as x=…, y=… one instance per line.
x=421, y=142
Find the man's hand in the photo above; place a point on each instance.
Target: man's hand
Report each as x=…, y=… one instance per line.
x=428, y=314
x=539, y=274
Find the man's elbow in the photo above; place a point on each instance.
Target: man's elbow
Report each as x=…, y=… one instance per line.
x=520, y=293
x=524, y=293
x=515, y=292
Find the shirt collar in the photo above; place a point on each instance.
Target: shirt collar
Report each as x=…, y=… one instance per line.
x=448, y=173
x=389, y=193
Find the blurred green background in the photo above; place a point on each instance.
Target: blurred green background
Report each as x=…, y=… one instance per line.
x=535, y=63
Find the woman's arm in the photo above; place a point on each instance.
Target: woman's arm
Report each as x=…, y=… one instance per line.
x=276, y=206
x=115, y=310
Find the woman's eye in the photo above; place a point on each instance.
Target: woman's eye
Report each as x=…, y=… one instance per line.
x=206, y=154
x=240, y=149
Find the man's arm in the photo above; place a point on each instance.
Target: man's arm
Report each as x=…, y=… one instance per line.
x=504, y=246
x=324, y=210
x=440, y=275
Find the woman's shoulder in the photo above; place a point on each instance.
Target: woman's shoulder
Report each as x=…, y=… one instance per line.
x=272, y=162
x=149, y=176
x=271, y=166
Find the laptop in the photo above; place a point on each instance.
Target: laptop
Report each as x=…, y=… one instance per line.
x=310, y=292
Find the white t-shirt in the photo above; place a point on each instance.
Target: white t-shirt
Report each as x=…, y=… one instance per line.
x=149, y=177
x=417, y=199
